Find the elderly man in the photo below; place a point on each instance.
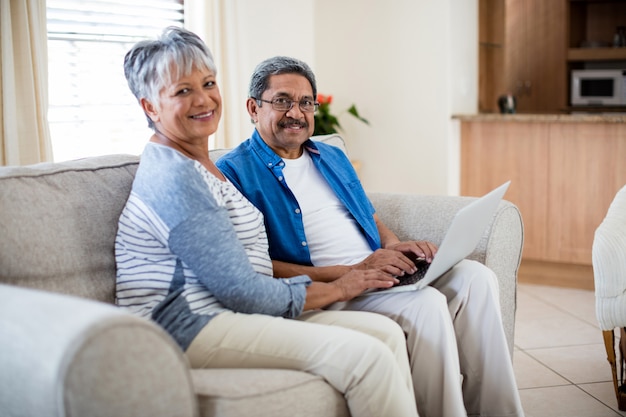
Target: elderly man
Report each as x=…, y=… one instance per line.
x=321, y=223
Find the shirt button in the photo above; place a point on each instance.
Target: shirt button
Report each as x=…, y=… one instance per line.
x=269, y=164
x=280, y=178
x=303, y=243
x=297, y=211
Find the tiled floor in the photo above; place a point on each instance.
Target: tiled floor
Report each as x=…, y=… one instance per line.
x=559, y=358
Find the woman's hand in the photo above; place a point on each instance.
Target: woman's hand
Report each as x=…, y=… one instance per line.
x=346, y=287
x=357, y=281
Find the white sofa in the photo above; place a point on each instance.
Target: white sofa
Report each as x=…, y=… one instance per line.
x=67, y=350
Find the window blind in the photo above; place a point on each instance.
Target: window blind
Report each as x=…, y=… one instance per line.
x=91, y=110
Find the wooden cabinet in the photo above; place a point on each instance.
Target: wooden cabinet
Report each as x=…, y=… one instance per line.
x=495, y=152
x=563, y=175
x=592, y=25
x=591, y=28
x=529, y=48
x=522, y=51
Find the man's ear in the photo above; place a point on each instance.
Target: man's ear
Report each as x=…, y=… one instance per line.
x=253, y=106
x=150, y=110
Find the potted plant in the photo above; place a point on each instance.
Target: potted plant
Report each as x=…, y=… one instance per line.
x=327, y=123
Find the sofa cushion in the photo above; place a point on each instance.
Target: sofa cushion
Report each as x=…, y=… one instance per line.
x=58, y=224
x=278, y=392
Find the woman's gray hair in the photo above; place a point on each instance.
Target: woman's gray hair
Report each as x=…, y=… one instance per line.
x=151, y=65
x=259, y=82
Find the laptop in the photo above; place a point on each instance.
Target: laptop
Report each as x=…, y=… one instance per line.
x=464, y=233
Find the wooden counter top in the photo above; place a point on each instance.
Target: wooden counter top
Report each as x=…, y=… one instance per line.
x=543, y=118
x=565, y=171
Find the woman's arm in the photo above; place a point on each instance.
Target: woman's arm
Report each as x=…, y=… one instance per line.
x=348, y=286
x=208, y=244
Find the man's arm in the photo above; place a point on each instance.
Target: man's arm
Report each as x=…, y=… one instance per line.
x=387, y=237
x=388, y=261
x=396, y=259
x=316, y=273
x=412, y=248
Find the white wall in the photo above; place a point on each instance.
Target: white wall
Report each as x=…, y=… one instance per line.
x=269, y=28
x=408, y=65
x=463, y=79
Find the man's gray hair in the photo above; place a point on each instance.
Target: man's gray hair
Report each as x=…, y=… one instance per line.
x=259, y=82
x=151, y=65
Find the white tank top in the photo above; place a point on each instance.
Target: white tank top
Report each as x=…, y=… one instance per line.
x=333, y=236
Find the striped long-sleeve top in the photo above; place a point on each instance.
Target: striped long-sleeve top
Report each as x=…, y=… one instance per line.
x=190, y=246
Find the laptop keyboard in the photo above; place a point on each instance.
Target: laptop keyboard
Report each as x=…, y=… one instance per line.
x=422, y=267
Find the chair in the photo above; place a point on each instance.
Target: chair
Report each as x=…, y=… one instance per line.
x=609, y=269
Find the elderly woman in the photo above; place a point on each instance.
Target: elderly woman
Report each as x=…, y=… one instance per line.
x=192, y=253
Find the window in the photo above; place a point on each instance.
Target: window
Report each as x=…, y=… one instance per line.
x=92, y=111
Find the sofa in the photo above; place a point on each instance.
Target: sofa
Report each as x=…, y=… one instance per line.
x=67, y=350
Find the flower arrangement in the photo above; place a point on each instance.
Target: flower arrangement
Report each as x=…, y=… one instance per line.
x=327, y=123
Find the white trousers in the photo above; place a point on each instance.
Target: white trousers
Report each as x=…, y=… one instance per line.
x=369, y=364
x=454, y=328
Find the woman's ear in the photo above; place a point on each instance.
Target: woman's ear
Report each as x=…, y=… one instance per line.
x=150, y=110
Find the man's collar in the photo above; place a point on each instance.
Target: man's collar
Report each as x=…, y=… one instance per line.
x=269, y=157
x=311, y=147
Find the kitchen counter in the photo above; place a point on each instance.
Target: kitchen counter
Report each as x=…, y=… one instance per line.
x=561, y=118
x=565, y=170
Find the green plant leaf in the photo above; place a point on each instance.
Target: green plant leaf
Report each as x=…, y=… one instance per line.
x=326, y=123
x=353, y=111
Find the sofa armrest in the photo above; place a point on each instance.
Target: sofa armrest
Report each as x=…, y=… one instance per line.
x=68, y=356
x=420, y=217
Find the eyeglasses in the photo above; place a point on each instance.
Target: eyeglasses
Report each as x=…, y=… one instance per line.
x=284, y=104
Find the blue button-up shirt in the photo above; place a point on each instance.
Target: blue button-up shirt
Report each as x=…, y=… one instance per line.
x=257, y=171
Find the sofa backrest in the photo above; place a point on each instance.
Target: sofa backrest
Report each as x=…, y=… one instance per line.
x=58, y=222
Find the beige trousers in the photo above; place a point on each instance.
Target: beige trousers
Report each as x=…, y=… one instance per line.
x=362, y=355
x=454, y=333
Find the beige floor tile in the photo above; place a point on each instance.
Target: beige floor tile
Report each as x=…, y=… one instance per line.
x=578, y=364
x=604, y=392
x=529, y=373
x=530, y=307
x=562, y=401
x=560, y=360
x=579, y=303
x=555, y=329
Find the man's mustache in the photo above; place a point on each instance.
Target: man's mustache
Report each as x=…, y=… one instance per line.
x=293, y=122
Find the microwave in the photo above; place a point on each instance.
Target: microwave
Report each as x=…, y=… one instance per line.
x=598, y=87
